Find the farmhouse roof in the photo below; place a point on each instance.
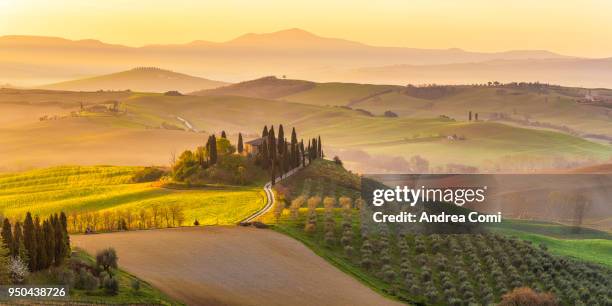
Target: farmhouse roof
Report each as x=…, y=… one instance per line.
x=255, y=142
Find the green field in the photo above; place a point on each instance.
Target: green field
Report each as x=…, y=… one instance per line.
x=336, y=93
x=554, y=105
x=588, y=245
x=148, y=126
x=485, y=142
x=102, y=188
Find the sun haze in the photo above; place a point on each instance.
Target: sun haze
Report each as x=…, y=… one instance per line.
x=568, y=27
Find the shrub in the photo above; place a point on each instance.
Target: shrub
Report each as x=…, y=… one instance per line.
x=310, y=228
x=330, y=238
x=525, y=296
x=102, y=277
x=18, y=270
x=107, y=259
x=148, y=174
x=348, y=250
x=66, y=277
x=135, y=284
x=85, y=280
x=111, y=286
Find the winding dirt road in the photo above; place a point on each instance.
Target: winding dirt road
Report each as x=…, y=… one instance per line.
x=232, y=266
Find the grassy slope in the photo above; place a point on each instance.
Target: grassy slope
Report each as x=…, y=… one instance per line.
x=552, y=107
x=106, y=137
x=343, y=128
x=589, y=245
x=336, y=93
x=146, y=295
x=100, y=188
x=322, y=178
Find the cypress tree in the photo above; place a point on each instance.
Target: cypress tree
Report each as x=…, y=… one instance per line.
x=41, y=254
x=212, y=152
x=319, y=148
x=265, y=155
x=314, y=149
x=264, y=133
x=60, y=241
x=64, y=223
x=272, y=144
x=223, y=135
x=240, y=144
x=7, y=236
x=309, y=150
x=29, y=241
x=287, y=162
x=302, y=155
x=5, y=271
x=281, y=139
x=295, y=160
x=49, y=242
x=18, y=250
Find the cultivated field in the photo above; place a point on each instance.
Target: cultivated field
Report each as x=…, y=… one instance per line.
x=151, y=128
x=98, y=189
x=583, y=243
x=232, y=266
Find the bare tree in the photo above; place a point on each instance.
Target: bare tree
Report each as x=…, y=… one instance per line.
x=107, y=217
x=155, y=214
x=142, y=216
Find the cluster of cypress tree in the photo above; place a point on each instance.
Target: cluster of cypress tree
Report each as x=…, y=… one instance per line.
x=281, y=156
x=211, y=148
x=38, y=244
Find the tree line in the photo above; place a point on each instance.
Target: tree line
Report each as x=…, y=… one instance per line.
x=38, y=243
x=281, y=156
x=155, y=216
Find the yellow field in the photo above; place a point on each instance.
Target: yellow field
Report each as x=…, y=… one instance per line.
x=98, y=189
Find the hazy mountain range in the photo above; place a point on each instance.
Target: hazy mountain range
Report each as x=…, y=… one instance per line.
x=33, y=60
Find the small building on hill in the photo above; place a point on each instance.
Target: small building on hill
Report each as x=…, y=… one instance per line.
x=253, y=147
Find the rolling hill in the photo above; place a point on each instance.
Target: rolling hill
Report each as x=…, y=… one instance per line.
x=554, y=107
x=567, y=71
x=32, y=60
x=147, y=79
x=47, y=128
x=108, y=188
x=266, y=87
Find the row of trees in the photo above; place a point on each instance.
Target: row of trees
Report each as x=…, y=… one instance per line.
x=453, y=269
x=281, y=156
x=39, y=244
x=154, y=216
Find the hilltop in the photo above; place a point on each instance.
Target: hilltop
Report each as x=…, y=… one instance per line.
x=523, y=104
x=147, y=79
x=293, y=52
x=147, y=130
x=266, y=87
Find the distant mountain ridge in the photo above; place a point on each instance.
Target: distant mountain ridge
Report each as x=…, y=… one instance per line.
x=149, y=79
x=294, y=52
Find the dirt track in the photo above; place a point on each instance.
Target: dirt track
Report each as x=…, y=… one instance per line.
x=232, y=266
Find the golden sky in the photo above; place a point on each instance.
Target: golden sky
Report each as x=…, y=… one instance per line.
x=572, y=27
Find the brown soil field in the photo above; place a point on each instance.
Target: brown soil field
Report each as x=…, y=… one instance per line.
x=232, y=266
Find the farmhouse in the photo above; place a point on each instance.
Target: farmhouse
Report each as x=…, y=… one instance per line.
x=253, y=147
